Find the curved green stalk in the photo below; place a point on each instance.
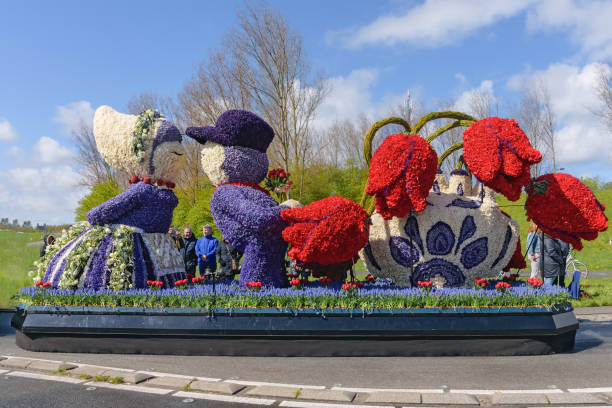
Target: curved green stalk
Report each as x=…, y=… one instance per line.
x=441, y=115
x=369, y=136
x=448, y=127
x=448, y=152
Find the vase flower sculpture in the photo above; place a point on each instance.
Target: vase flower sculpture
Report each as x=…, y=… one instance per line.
x=401, y=173
x=499, y=154
x=565, y=208
x=125, y=242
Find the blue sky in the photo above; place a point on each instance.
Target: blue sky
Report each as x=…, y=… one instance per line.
x=60, y=60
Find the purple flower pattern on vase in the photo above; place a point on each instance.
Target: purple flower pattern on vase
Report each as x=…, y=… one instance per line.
x=440, y=239
x=474, y=253
x=468, y=229
x=403, y=251
x=437, y=266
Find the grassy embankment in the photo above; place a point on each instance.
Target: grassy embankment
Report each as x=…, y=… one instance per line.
x=16, y=259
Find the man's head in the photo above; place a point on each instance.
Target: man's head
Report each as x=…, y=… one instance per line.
x=207, y=230
x=187, y=232
x=170, y=230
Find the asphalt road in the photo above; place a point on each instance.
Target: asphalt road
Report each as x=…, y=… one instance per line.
x=27, y=393
x=590, y=365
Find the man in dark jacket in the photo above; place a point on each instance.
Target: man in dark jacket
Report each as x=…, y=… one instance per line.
x=554, y=256
x=228, y=258
x=188, y=252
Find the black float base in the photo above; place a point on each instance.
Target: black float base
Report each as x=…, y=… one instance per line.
x=273, y=332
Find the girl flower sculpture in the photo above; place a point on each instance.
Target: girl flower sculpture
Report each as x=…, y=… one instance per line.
x=233, y=156
x=126, y=243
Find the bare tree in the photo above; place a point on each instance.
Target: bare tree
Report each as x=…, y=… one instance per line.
x=261, y=67
x=603, y=90
x=537, y=119
x=483, y=104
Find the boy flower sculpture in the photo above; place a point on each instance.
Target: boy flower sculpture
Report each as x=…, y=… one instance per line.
x=233, y=156
x=126, y=244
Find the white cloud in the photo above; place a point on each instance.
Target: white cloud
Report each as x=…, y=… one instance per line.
x=581, y=137
x=15, y=152
x=48, y=150
x=7, y=131
x=465, y=101
x=44, y=195
x=587, y=21
x=432, y=23
x=351, y=96
x=74, y=116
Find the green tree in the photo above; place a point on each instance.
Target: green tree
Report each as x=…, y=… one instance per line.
x=194, y=210
x=99, y=193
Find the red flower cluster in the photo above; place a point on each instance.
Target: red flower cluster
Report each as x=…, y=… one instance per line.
x=325, y=280
x=253, y=284
x=280, y=172
x=565, y=208
x=148, y=180
x=535, y=282
x=499, y=154
x=326, y=232
x=43, y=284
x=181, y=282
x=502, y=285
x=370, y=278
x=482, y=282
x=298, y=281
x=517, y=261
x=352, y=285
x=152, y=283
x=198, y=280
x=425, y=284
x=401, y=173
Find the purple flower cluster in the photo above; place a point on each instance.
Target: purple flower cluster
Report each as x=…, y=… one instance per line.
x=142, y=205
x=250, y=220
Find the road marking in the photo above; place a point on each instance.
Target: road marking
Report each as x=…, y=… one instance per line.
x=576, y=406
x=590, y=390
x=259, y=383
x=45, y=377
x=300, y=404
x=4, y=371
x=190, y=377
x=428, y=391
x=225, y=398
x=491, y=392
x=125, y=387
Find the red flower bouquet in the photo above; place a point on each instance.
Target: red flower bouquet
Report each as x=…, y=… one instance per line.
x=401, y=173
x=278, y=182
x=517, y=261
x=326, y=232
x=565, y=208
x=499, y=154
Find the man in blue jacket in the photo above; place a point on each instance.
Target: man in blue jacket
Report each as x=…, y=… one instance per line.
x=206, y=249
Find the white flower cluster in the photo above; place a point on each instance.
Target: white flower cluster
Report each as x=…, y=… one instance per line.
x=212, y=157
x=120, y=262
x=114, y=134
x=53, y=249
x=164, y=253
x=453, y=209
x=79, y=258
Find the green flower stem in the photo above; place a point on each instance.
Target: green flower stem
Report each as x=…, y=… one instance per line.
x=448, y=152
x=448, y=127
x=441, y=115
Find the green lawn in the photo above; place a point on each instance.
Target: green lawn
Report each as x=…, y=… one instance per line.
x=16, y=260
x=599, y=291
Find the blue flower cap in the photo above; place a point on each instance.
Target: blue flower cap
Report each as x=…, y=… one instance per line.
x=236, y=128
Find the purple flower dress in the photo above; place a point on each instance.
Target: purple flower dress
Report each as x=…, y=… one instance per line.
x=145, y=208
x=250, y=220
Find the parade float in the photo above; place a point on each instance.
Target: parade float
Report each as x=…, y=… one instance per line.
x=434, y=247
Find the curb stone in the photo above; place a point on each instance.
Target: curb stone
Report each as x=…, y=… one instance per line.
x=394, y=397
x=89, y=370
x=449, y=399
x=327, y=395
x=216, y=387
x=574, y=398
x=169, y=382
x=128, y=376
x=50, y=365
x=511, y=399
x=16, y=362
x=273, y=391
